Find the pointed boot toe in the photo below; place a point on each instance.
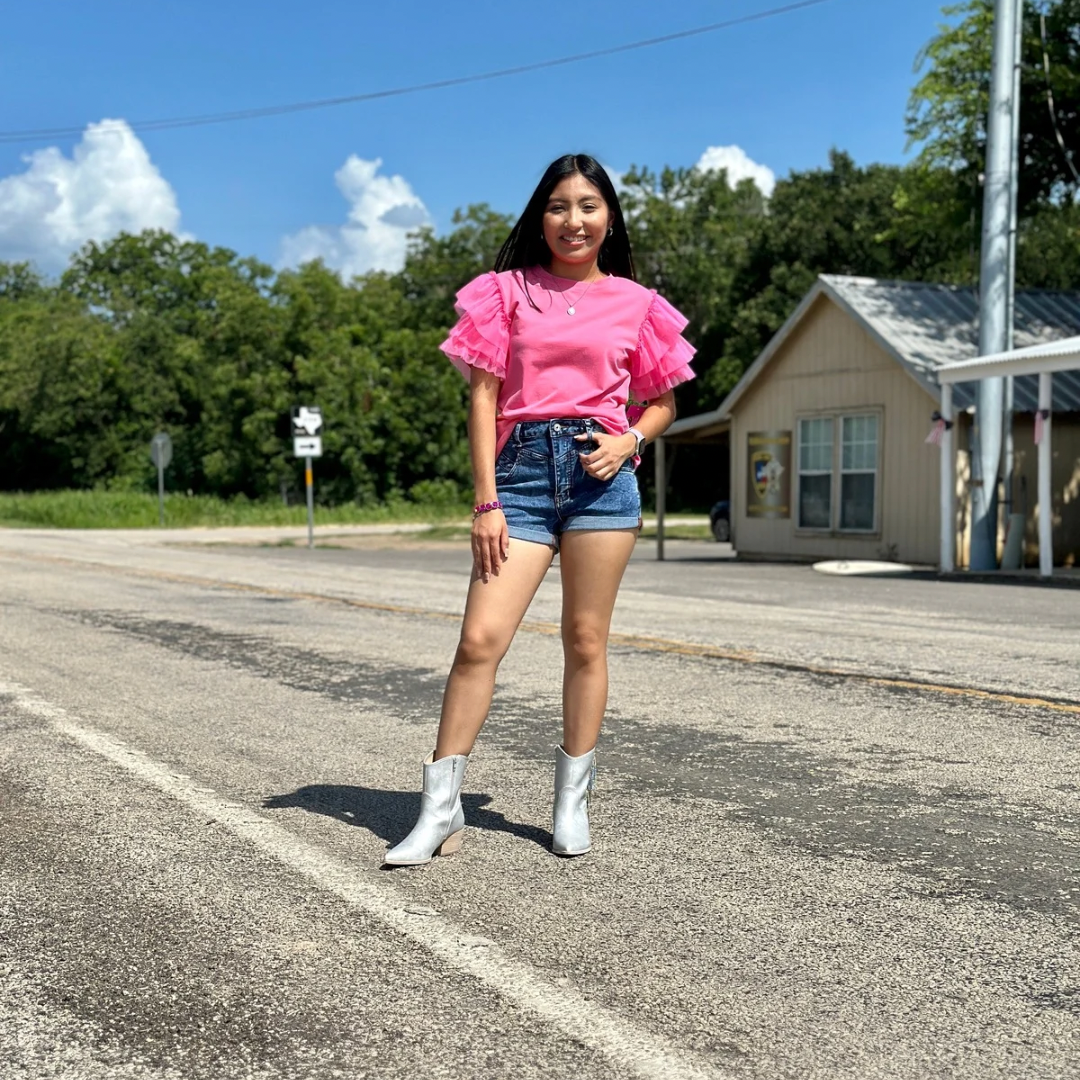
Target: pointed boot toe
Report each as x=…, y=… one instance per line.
x=438, y=831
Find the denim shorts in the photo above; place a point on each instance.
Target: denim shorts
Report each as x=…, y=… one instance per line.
x=545, y=490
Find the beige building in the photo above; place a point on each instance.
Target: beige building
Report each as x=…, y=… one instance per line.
x=828, y=428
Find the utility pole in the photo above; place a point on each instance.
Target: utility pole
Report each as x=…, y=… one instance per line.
x=993, y=289
x=1010, y=320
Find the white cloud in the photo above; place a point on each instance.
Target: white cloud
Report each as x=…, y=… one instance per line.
x=109, y=185
x=739, y=166
x=383, y=211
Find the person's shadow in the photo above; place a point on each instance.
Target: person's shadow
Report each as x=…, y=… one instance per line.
x=391, y=814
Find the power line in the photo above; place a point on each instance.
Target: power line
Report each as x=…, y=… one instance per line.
x=1050, y=101
x=417, y=88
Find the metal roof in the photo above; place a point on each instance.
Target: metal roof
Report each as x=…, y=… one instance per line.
x=699, y=427
x=926, y=327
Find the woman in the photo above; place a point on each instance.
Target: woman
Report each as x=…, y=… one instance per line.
x=554, y=342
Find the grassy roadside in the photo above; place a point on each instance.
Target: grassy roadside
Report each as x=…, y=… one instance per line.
x=136, y=510
x=678, y=532
x=460, y=532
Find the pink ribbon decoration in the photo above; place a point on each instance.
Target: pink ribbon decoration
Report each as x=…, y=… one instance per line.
x=937, y=432
x=1041, y=416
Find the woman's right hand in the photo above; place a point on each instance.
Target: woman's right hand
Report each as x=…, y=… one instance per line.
x=490, y=544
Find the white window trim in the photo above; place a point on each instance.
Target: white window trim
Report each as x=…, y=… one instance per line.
x=837, y=474
x=799, y=474
x=841, y=472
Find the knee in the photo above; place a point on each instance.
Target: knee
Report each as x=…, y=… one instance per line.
x=585, y=643
x=479, y=646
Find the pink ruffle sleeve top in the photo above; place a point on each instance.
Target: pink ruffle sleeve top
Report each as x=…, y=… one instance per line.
x=622, y=340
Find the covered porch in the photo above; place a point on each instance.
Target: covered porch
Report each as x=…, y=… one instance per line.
x=711, y=428
x=1039, y=360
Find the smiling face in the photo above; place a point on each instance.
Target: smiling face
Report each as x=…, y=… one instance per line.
x=576, y=221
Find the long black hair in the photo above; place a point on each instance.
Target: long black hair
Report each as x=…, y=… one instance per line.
x=526, y=246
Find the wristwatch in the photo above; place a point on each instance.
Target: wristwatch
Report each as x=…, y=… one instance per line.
x=640, y=441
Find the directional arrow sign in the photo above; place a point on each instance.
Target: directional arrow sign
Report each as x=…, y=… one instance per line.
x=307, y=446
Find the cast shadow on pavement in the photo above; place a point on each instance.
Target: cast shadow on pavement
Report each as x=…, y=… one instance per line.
x=391, y=814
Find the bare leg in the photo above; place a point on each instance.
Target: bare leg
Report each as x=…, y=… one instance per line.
x=493, y=612
x=592, y=565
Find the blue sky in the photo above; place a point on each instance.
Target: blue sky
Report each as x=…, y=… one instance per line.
x=783, y=90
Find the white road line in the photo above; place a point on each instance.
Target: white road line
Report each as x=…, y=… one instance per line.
x=632, y=1051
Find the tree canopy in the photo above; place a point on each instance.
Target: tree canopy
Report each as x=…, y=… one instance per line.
x=947, y=112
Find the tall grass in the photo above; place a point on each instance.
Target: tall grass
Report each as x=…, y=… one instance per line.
x=137, y=510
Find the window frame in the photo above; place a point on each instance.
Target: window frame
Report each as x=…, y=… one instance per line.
x=799, y=473
x=875, y=472
x=836, y=475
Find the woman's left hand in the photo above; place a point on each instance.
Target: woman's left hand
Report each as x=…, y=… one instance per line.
x=607, y=459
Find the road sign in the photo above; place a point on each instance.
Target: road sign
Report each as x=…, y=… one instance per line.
x=307, y=446
x=307, y=443
x=161, y=455
x=306, y=420
x=161, y=450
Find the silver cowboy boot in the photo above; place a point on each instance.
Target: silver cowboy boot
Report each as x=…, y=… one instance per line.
x=574, y=777
x=438, y=831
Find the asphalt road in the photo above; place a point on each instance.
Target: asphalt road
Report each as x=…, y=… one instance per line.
x=836, y=825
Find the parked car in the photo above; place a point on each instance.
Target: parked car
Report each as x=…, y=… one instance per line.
x=720, y=521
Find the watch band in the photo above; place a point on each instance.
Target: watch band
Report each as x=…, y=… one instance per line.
x=640, y=439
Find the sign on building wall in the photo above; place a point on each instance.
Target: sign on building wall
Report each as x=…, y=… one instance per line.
x=768, y=492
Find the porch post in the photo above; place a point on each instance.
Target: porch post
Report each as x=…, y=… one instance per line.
x=661, y=493
x=948, y=485
x=1046, y=502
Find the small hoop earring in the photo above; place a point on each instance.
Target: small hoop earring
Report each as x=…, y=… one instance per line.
x=611, y=230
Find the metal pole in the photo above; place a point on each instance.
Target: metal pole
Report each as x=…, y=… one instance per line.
x=1046, y=502
x=1010, y=320
x=160, y=490
x=948, y=485
x=309, y=483
x=993, y=290
x=661, y=494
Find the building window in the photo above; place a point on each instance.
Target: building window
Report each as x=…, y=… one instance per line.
x=852, y=472
x=858, y=472
x=815, y=472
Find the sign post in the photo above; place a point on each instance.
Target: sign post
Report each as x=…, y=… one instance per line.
x=161, y=455
x=307, y=422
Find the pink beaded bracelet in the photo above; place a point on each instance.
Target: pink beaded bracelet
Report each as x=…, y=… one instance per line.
x=483, y=508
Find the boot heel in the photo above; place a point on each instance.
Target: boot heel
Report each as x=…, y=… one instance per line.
x=438, y=829
x=451, y=844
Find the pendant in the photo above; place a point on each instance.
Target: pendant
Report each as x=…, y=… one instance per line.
x=571, y=311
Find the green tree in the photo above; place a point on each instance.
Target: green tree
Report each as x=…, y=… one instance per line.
x=694, y=236
x=197, y=337
x=948, y=107
x=1048, y=249
x=844, y=219
x=437, y=266
x=65, y=408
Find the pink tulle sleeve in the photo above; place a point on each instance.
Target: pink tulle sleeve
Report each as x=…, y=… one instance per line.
x=481, y=336
x=662, y=358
